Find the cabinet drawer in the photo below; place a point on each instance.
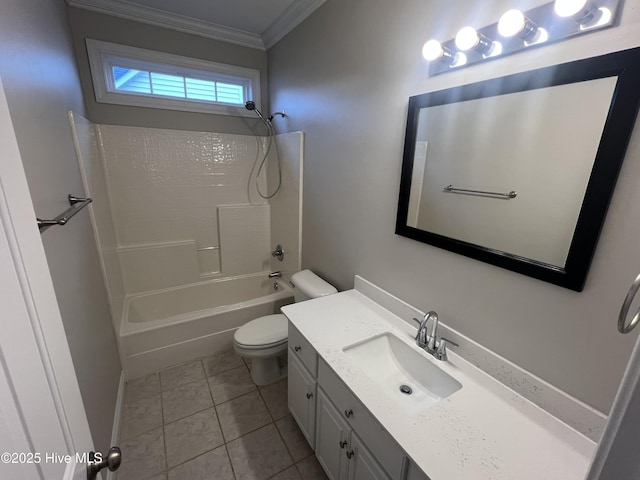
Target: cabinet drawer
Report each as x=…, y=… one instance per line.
x=303, y=350
x=383, y=447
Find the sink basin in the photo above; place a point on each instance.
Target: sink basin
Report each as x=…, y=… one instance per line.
x=402, y=373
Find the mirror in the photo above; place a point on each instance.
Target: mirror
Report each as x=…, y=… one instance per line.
x=518, y=171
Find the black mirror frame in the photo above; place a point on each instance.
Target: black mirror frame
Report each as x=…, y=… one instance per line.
x=609, y=157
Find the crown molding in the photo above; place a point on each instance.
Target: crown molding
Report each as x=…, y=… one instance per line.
x=159, y=18
x=291, y=18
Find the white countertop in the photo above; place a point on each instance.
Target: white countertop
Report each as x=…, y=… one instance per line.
x=483, y=431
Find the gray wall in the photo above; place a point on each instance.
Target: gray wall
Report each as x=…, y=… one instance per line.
x=87, y=24
x=344, y=77
x=38, y=70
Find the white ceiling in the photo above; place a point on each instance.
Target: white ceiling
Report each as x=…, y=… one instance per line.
x=253, y=23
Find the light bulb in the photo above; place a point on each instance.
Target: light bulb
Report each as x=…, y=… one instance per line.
x=511, y=23
x=432, y=50
x=514, y=23
x=568, y=8
x=467, y=38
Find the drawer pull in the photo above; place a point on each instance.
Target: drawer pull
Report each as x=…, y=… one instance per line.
x=348, y=414
x=309, y=395
x=350, y=454
x=343, y=443
x=297, y=348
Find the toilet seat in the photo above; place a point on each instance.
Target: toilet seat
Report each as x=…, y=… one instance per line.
x=263, y=332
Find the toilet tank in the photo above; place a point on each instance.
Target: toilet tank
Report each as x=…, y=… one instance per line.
x=307, y=285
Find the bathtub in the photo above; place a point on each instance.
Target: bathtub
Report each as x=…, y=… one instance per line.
x=170, y=326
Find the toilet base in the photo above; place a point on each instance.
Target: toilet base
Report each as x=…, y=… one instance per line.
x=266, y=369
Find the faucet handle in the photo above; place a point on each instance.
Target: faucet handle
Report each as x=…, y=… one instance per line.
x=441, y=350
x=450, y=342
x=421, y=334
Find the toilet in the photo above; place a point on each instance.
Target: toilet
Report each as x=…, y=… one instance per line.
x=264, y=339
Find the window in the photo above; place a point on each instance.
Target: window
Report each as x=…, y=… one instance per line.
x=133, y=76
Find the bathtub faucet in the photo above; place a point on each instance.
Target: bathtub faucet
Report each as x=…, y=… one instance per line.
x=275, y=275
x=278, y=252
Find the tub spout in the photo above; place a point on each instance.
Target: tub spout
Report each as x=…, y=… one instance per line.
x=275, y=275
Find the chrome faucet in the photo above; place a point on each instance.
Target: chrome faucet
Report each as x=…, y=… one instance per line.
x=275, y=275
x=423, y=339
x=430, y=342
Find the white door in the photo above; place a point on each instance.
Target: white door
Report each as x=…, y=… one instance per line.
x=617, y=455
x=43, y=424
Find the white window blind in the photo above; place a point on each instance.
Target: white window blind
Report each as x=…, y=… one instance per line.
x=132, y=76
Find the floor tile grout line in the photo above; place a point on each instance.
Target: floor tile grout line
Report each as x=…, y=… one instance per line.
x=233, y=470
x=293, y=462
x=266, y=405
x=164, y=437
x=234, y=398
x=198, y=456
x=248, y=432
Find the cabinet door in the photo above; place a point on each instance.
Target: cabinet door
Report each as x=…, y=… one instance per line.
x=332, y=437
x=362, y=465
x=302, y=398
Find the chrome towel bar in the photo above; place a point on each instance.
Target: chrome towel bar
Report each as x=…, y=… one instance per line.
x=623, y=326
x=76, y=203
x=452, y=189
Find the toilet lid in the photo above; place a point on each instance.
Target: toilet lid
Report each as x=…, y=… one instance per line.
x=263, y=331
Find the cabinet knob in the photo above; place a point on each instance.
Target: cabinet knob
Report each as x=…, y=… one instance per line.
x=348, y=413
x=350, y=454
x=343, y=443
x=297, y=348
x=309, y=395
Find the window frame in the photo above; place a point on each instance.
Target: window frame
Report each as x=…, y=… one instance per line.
x=104, y=55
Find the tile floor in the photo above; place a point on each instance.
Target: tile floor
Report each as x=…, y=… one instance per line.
x=207, y=420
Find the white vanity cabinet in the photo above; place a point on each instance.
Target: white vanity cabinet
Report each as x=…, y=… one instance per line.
x=302, y=386
x=340, y=451
x=380, y=454
x=335, y=422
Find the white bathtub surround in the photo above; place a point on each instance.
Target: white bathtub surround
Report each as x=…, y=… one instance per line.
x=159, y=265
x=583, y=418
x=164, y=187
x=87, y=145
x=484, y=430
x=286, y=206
x=245, y=237
x=177, y=208
x=178, y=324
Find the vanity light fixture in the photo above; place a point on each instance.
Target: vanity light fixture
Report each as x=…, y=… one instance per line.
x=582, y=11
x=514, y=23
x=552, y=22
x=433, y=49
x=468, y=38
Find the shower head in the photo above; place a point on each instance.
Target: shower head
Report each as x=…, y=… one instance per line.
x=251, y=105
